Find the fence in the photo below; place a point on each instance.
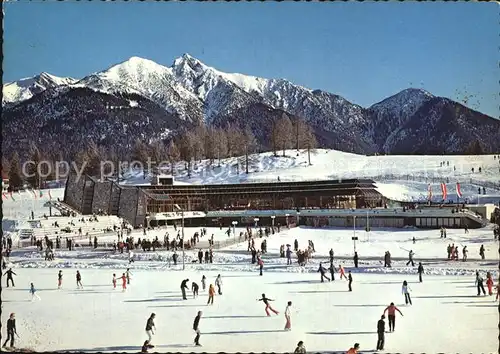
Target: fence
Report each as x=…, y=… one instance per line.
x=436, y=179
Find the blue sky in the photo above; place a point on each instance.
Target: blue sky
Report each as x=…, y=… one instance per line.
x=361, y=51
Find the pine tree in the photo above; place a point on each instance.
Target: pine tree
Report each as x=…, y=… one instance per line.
x=33, y=167
x=15, y=177
x=250, y=143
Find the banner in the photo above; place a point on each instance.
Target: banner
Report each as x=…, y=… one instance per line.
x=444, y=191
x=459, y=192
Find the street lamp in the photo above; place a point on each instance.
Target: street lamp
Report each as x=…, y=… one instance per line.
x=234, y=228
x=287, y=222
x=182, y=232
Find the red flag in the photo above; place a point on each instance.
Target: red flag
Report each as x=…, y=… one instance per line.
x=459, y=192
x=444, y=190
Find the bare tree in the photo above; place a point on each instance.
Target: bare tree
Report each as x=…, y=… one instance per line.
x=249, y=142
x=173, y=154
x=234, y=140
x=220, y=148
x=186, y=149
x=285, y=131
x=198, y=141
x=94, y=158
x=210, y=143
x=140, y=151
x=300, y=131
x=310, y=142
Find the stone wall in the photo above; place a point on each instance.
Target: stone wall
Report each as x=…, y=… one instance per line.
x=115, y=192
x=102, y=196
x=73, y=195
x=128, y=204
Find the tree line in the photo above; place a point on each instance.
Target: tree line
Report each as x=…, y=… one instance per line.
x=189, y=146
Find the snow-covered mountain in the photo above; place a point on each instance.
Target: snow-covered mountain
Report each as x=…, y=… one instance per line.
x=24, y=89
x=411, y=121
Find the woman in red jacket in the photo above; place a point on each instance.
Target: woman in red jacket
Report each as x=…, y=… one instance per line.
x=391, y=310
x=489, y=283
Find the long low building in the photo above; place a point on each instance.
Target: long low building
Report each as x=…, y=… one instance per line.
x=316, y=203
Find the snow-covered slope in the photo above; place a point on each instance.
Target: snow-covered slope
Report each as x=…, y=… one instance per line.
x=24, y=89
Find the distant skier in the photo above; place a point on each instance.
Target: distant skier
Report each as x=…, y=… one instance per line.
x=203, y=282
x=410, y=258
x=11, y=330
x=405, y=290
x=9, y=274
x=114, y=281
x=381, y=333
x=33, y=293
x=194, y=288
x=211, y=294
x=479, y=284
x=391, y=310
x=78, y=280
x=266, y=300
x=218, y=284
x=322, y=270
x=150, y=325
x=183, y=288
x=288, y=323
x=420, y=271
x=59, y=279
x=349, y=279
x=301, y=349
x=196, y=328
x=355, y=259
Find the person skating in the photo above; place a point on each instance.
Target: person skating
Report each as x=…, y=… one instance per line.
x=211, y=294
x=196, y=328
x=301, y=349
x=481, y=251
x=183, y=288
x=33, y=293
x=322, y=270
x=114, y=281
x=150, y=325
x=406, y=292
x=11, y=330
x=381, y=333
x=194, y=288
x=59, y=279
x=9, y=274
x=203, y=282
x=342, y=272
x=479, y=284
x=464, y=253
x=218, y=284
x=78, y=280
x=355, y=259
x=260, y=263
x=489, y=283
x=349, y=279
x=391, y=311
x=332, y=271
x=288, y=320
x=266, y=300
x=410, y=258
x=354, y=350
x=129, y=274
x=420, y=271
x=146, y=346
x=124, y=282
x=498, y=291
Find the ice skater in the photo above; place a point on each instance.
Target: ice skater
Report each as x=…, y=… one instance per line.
x=203, y=282
x=9, y=274
x=11, y=330
x=33, y=293
x=354, y=350
x=391, y=310
x=59, y=279
x=405, y=290
x=342, y=272
x=196, y=328
x=288, y=323
x=420, y=271
x=124, y=282
x=301, y=349
x=322, y=270
x=410, y=259
x=150, y=325
x=381, y=333
x=194, y=288
x=183, y=288
x=129, y=275
x=479, y=284
x=211, y=294
x=218, y=284
x=489, y=283
x=332, y=271
x=266, y=300
x=114, y=281
x=349, y=279
x=78, y=280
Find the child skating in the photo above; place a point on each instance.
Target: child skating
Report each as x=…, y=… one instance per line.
x=59, y=279
x=33, y=293
x=211, y=294
x=79, y=280
x=288, y=323
x=114, y=281
x=124, y=282
x=268, y=306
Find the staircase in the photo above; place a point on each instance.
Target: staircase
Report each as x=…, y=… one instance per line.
x=114, y=205
x=88, y=196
